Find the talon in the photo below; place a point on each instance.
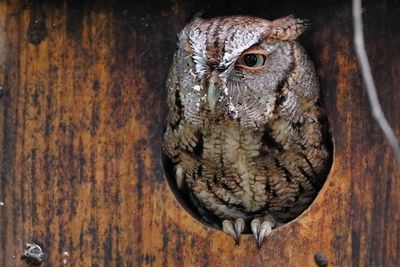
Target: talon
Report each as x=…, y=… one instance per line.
x=228, y=228
x=255, y=228
x=261, y=230
x=180, y=175
x=265, y=230
x=239, y=226
x=234, y=230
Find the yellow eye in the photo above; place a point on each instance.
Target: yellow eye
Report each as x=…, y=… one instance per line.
x=251, y=61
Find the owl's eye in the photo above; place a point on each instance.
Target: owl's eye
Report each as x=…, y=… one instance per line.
x=251, y=61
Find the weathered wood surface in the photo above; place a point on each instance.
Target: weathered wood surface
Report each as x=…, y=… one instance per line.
x=81, y=122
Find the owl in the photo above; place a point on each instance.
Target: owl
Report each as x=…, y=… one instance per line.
x=247, y=143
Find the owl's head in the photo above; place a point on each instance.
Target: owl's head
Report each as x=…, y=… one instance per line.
x=243, y=68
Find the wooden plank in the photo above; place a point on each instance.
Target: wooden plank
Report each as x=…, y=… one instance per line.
x=80, y=139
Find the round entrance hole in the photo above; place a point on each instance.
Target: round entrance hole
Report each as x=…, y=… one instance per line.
x=245, y=139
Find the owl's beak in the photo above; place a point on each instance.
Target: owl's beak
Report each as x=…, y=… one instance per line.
x=212, y=95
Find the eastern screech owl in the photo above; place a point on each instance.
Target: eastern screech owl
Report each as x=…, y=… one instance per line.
x=247, y=141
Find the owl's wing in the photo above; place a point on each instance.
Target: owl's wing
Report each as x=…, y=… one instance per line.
x=182, y=148
x=181, y=137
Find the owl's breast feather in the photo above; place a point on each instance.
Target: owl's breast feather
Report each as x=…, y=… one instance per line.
x=229, y=158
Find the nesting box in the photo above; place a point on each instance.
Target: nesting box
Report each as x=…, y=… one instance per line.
x=82, y=114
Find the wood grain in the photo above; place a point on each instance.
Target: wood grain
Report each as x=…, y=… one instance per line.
x=81, y=122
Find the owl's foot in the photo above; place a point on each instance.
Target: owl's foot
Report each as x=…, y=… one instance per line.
x=234, y=229
x=261, y=229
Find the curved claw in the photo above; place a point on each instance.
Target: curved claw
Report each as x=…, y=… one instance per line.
x=228, y=228
x=234, y=230
x=239, y=226
x=265, y=230
x=255, y=228
x=261, y=230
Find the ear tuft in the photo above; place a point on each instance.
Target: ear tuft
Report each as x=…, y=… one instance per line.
x=288, y=28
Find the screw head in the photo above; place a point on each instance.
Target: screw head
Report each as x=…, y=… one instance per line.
x=33, y=254
x=321, y=259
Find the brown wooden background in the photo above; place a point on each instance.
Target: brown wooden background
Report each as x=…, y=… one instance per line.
x=81, y=120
